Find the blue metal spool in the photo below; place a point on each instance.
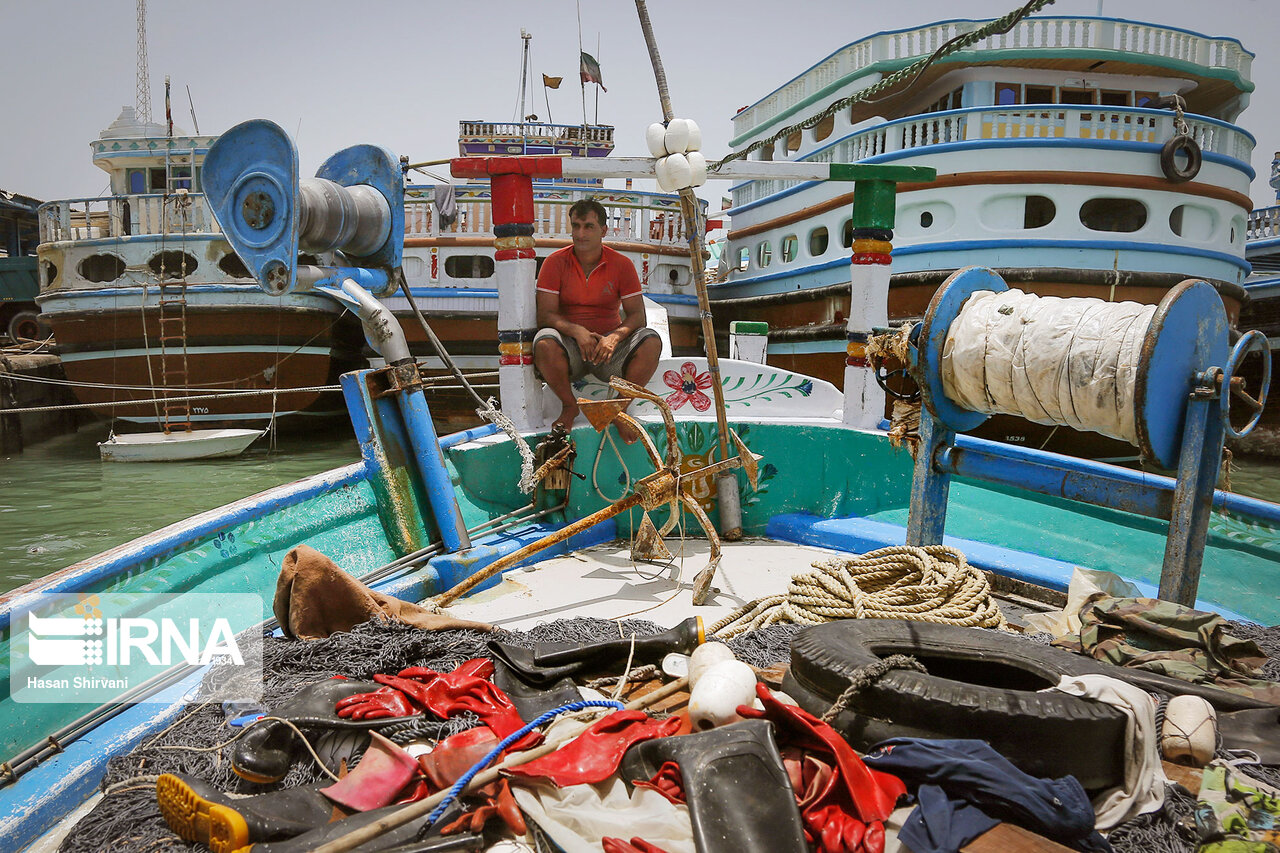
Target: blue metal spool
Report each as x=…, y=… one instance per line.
x=1182, y=385
x=251, y=180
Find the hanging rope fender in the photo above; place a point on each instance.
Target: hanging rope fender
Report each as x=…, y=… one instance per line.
x=930, y=584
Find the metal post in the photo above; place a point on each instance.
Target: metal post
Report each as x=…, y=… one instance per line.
x=1198, y=461
x=929, y=485
x=517, y=300
x=874, y=209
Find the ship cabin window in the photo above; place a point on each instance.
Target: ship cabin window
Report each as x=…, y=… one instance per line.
x=1111, y=98
x=1124, y=215
x=789, y=249
x=793, y=142
x=744, y=259
x=1040, y=95
x=818, y=240
x=1008, y=94
x=155, y=180
x=1039, y=211
x=468, y=266
x=764, y=254
x=846, y=234
x=137, y=179
x=1076, y=96
x=181, y=177
x=823, y=128
x=949, y=101
x=766, y=153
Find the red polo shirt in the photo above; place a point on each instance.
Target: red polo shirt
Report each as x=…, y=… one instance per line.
x=595, y=301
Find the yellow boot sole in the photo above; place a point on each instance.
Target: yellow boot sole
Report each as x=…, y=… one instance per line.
x=193, y=818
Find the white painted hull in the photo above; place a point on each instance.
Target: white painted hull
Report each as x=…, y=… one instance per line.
x=178, y=446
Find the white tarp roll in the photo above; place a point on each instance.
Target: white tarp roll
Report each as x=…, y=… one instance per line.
x=1052, y=361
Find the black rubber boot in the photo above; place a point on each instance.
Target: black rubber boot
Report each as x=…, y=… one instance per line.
x=265, y=752
x=739, y=795
x=197, y=811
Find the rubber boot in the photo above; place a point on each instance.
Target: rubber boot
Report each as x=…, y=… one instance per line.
x=738, y=791
x=402, y=839
x=197, y=811
x=265, y=752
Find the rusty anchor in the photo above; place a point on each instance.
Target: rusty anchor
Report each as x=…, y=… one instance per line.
x=664, y=487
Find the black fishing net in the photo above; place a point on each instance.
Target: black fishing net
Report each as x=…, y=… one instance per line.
x=196, y=744
x=1268, y=639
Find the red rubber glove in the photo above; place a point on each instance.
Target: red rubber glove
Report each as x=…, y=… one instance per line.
x=464, y=689
x=635, y=845
x=497, y=802
x=387, y=702
x=667, y=781
x=455, y=755
x=594, y=755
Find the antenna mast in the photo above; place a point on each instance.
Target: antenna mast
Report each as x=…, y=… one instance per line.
x=142, y=105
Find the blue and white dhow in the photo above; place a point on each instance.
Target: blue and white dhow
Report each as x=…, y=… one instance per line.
x=1075, y=155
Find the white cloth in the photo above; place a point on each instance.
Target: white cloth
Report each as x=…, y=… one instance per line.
x=1084, y=583
x=1144, y=779
x=577, y=817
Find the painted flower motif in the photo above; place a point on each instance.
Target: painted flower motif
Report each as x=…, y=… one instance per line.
x=687, y=385
x=88, y=606
x=805, y=388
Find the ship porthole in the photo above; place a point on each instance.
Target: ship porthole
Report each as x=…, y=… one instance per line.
x=101, y=268
x=926, y=219
x=171, y=265
x=231, y=264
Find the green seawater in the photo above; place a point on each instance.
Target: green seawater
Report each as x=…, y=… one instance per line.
x=59, y=503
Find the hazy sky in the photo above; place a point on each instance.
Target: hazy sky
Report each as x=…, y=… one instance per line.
x=402, y=74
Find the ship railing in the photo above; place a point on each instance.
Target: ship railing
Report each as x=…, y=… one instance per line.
x=1045, y=122
x=634, y=217
x=1048, y=33
x=536, y=130
x=125, y=216
x=1263, y=223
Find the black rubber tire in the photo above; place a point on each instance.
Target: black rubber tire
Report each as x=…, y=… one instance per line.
x=984, y=685
x=1169, y=159
x=25, y=325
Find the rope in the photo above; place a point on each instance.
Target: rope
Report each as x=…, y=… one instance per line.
x=865, y=676
x=913, y=71
x=930, y=584
x=188, y=398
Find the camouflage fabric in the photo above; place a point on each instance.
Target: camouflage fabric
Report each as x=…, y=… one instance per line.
x=1159, y=636
x=1236, y=814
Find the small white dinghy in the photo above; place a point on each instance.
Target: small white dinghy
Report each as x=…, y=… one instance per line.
x=178, y=446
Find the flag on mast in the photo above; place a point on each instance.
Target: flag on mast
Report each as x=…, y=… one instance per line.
x=551, y=82
x=590, y=71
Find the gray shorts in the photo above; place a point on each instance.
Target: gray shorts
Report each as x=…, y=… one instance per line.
x=605, y=370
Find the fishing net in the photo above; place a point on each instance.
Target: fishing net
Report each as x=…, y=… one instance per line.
x=128, y=818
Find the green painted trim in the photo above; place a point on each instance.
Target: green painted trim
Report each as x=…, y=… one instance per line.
x=748, y=327
x=888, y=66
x=880, y=173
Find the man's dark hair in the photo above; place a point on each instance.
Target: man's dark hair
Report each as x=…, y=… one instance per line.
x=581, y=208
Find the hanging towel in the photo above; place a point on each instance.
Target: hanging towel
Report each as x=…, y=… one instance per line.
x=446, y=206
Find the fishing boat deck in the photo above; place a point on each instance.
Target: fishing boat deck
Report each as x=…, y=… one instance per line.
x=604, y=582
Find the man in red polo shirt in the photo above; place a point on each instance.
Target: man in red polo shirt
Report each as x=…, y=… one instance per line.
x=591, y=316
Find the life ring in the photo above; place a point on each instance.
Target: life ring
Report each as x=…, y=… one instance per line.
x=1169, y=158
x=25, y=325
x=980, y=685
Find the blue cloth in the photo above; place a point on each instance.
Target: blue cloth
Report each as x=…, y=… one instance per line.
x=964, y=787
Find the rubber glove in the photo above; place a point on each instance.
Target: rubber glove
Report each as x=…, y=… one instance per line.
x=446, y=695
x=457, y=754
x=635, y=845
x=497, y=802
x=594, y=755
x=386, y=702
x=667, y=781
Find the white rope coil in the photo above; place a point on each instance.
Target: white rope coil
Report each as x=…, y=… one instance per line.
x=930, y=584
x=1070, y=362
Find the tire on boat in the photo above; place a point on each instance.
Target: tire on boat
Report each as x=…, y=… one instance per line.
x=24, y=325
x=981, y=684
x=1169, y=159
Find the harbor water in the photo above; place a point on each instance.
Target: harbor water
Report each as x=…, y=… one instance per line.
x=60, y=504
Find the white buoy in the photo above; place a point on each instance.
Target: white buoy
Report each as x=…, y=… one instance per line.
x=694, y=142
x=677, y=137
x=679, y=173
x=1190, y=732
x=714, y=700
x=662, y=171
x=697, y=168
x=704, y=657
x=653, y=138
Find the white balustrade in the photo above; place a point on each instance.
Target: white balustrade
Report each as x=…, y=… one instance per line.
x=1032, y=33
x=1263, y=223
x=126, y=216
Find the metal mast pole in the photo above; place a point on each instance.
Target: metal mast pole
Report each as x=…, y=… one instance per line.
x=142, y=100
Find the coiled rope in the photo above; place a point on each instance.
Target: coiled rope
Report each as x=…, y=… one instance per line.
x=930, y=584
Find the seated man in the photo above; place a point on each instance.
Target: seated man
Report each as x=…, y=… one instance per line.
x=591, y=316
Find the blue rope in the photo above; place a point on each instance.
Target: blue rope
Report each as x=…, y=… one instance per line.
x=456, y=788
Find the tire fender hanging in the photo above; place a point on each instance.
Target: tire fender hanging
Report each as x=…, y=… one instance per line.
x=1169, y=158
